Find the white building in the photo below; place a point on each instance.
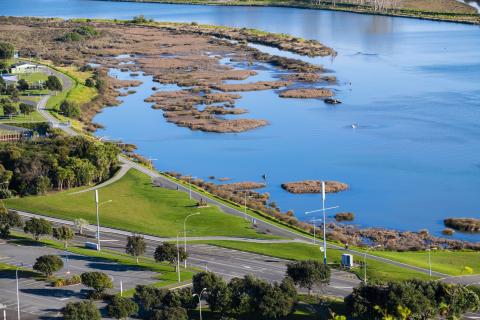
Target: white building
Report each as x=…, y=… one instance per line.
x=10, y=80
x=24, y=68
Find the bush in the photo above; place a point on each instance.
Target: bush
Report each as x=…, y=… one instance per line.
x=53, y=83
x=22, y=85
x=98, y=281
x=84, y=310
x=70, y=109
x=90, y=83
x=9, y=109
x=121, y=308
x=308, y=273
x=344, y=216
x=48, y=264
x=38, y=227
x=7, y=50
x=26, y=108
x=168, y=252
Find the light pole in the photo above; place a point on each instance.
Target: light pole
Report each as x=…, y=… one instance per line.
x=18, y=295
x=66, y=261
x=178, y=261
x=4, y=308
x=314, y=228
x=185, y=233
x=430, y=260
x=200, y=300
x=365, y=263
x=190, y=186
x=324, y=222
x=97, y=205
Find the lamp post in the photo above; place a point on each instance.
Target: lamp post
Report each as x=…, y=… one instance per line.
x=185, y=233
x=200, y=300
x=66, y=261
x=4, y=308
x=365, y=263
x=190, y=186
x=97, y=206
x=178, y=261
x=18, y=295
x=430, y=259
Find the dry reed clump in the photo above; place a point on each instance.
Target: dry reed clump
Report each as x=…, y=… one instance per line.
x=463, y=224
x=314, y=186
x=307, y=93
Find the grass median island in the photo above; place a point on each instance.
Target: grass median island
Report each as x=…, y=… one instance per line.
x=455, y=263
x=376, y=270
x=137, y=206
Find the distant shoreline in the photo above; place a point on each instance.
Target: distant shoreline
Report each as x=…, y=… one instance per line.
x=464, y=18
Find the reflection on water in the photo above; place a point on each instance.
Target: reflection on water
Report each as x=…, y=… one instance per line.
x=411, y=86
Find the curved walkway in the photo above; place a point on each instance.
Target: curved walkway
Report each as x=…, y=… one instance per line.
x=118, y=175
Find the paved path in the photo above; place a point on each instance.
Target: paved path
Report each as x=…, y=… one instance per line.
x=118, y=175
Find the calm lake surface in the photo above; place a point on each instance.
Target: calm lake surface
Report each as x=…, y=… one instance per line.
x=412, y=86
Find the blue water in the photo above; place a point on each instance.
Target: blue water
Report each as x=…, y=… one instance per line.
x=412, y=86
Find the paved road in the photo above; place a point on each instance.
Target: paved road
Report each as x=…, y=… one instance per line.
x=37, y=298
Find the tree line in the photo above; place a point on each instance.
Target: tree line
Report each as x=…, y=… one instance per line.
x=35, y=167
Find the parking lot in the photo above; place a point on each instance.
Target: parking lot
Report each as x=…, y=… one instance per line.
x=38, y=297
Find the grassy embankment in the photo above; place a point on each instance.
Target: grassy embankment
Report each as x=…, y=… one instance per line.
x=443, y=10
x=139, y=207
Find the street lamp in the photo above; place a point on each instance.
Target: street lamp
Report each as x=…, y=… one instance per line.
x=4, y=308
x=185, y=233
x=200, y=300
x=190, y=186
x=97, y=205
x=178, y=261
x=365, y=262
x=430, y=259
x=18, y=295
x=66, y=261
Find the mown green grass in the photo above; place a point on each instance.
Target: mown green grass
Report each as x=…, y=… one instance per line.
x=449, y=262
x=376, y=271
x=33, y=77
x=137, y=206
x=21, y=118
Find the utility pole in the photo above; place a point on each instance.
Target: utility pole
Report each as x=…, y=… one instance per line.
x=324, y=225
x=185, y=233
x=98, y=220
x=18, y=296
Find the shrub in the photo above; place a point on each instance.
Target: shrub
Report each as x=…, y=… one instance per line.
x=344, y=216
x=98, y=281
x=38, y=227
x=53, y=83
x=84, y=310
x=7, y=50
x=121, y=308
x=48, y=264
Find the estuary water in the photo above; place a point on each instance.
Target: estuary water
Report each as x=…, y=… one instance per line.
x=411, y=87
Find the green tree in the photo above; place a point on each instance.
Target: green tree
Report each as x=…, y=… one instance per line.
x=8, y=219
x=38, y=227
x=42, y=184
x=84, y=310
x=98, y=281
x=90, y=83
x=121, y=308
x=48, y=264
x=22, y=85
x=70, y=109
x=63, y=233
x=168, y=252
x=173, y=313
x=7, y=50
x=9, y=109
x=206, y=280
x=136, y=246
x=53, y=83
x=26, y=108
x=309, y=273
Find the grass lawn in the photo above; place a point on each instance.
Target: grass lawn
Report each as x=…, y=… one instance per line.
x=21, y=118
x=139, y=207
x=33, y=77
x=376, y=270
x=449, y=262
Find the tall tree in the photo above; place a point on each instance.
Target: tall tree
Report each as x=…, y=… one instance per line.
x=7, y=50
x=53, y=83
x=308, y=273
x=98, y=281
x=38, y=227
x=136, y=246
x=8, y=219
x=80, y=224
x=63, y=233
x=121, y=308
x=168, y=252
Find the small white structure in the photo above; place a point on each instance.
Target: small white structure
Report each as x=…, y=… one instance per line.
x=347, y=260
x=24, y=68
x=10, y=80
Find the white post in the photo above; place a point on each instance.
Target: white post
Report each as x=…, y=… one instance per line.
x=200, y=304
x=324, y=225
x=190, y=186
x=314, y=232
x=185, y=233
x=365, y=267
x=429, y=261
x=121, y=288
x=98, y=220
x=68, y=264
x=178, y=261
x=4, y=314
x=245, y=205
x=18, y=296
